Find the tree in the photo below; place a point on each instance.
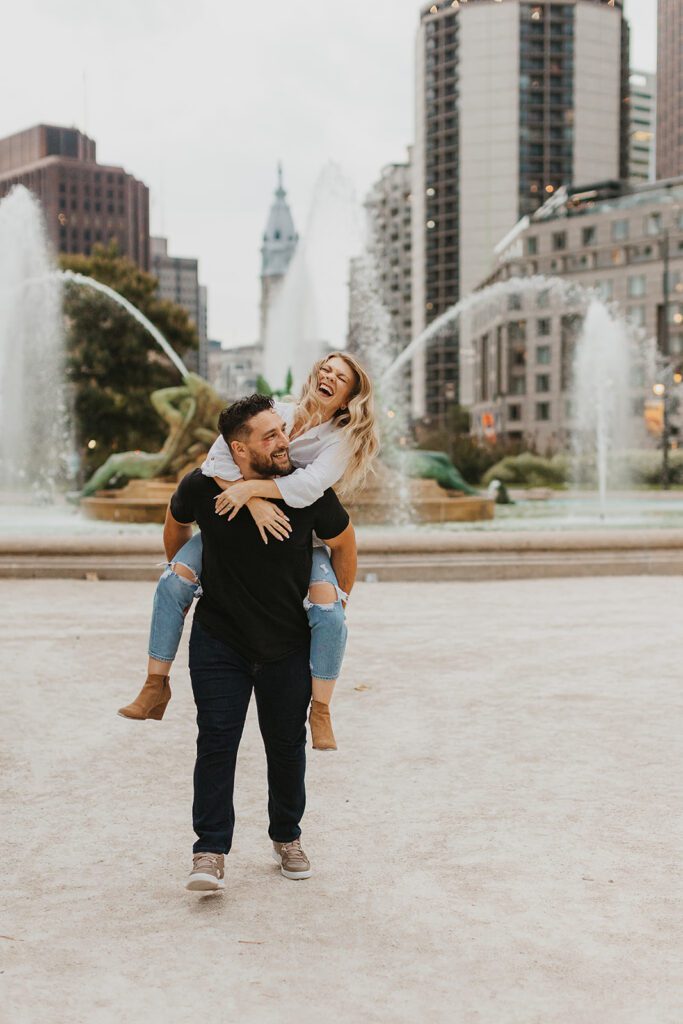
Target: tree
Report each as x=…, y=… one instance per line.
x=113, y=364
x=264, y=388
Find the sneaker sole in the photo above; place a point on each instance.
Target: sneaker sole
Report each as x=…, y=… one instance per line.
x=294, y=875
x=204, y=883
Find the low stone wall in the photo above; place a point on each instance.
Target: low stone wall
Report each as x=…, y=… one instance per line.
x=384, y=554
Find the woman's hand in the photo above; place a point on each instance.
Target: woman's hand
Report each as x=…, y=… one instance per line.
x=233, y=498
x=269, y=519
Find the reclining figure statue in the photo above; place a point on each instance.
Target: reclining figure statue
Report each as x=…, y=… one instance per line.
x=425, y=465
x=191, y=411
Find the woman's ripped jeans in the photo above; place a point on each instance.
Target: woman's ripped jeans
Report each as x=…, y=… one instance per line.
x=175, y=593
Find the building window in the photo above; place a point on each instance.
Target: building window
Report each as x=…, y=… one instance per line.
x=635, y=288
x=542, y=382
x=543, y=299
x=514, y=301
x=559, y=240
x=636, y=316
x=543, y=327
x=653, y=223
x=517, y=330
x=514, y=413
x=619, y=230
x=588, y=236
x=605, y=290
x=532, y=246
x=543, y=411
x=543, y=354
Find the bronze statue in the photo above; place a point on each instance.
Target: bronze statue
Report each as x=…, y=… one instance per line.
x=425, y=465
x=191, y=411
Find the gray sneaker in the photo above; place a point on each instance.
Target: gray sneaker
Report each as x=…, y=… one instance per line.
x=207, y=873
x=292, y=860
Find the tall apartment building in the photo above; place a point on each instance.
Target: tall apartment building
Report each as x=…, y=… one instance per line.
x=388, y=208
x=669, y=88
x=279, y=245
x=85, y=203
x=642, y=126
x=513, y=99
x=627, y=245
x=178, y=278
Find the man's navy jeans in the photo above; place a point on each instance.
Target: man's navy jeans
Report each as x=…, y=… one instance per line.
x=222, y=681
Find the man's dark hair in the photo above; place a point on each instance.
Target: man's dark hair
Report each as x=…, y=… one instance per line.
x=233, y=421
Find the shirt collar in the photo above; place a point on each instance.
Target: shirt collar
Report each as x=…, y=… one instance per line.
x=320, y=430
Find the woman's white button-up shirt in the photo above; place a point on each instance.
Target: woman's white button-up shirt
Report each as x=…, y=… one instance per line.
x=321, y=455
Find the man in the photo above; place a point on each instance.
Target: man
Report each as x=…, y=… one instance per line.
x=250, y=631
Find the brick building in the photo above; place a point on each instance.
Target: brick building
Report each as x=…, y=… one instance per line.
x=85, y=203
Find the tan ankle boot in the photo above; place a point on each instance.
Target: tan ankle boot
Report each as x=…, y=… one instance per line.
x=321, y=726
x=151, y=701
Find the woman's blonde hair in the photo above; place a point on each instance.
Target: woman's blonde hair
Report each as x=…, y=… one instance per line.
x=357, y=421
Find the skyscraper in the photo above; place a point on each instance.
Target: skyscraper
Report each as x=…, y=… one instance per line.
x=641, y=128
x=85, y=203
x=178, y=278
x=513, y=99
x=669, y=88
x=388, y=205
x=279, y=244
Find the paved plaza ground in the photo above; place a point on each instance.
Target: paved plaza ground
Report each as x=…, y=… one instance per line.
x=497, y=841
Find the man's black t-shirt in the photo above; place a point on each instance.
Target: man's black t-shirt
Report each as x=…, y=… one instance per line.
x=253, y=593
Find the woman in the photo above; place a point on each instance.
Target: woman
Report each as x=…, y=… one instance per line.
x=333, y=441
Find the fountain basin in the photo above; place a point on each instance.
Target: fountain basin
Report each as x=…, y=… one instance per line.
x=145, y=501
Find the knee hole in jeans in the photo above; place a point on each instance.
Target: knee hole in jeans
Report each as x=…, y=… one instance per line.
x=184, y=572
x=322, y=594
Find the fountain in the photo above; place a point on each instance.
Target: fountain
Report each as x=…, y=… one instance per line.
x=601, y=395
x=319, y=300
x=33, y=413
x=601, y=391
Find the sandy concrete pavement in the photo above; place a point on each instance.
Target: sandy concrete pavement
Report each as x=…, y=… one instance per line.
x=497, y=840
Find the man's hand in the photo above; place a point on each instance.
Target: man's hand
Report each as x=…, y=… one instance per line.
x=269, y=519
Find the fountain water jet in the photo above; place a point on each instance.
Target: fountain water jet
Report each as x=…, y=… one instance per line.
x=36, y=450
x=601, y=386
x=33, y=413
x=600, y=397
x=309, y=315
x=104, y=289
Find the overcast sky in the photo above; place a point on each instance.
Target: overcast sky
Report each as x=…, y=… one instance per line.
x=200, y=99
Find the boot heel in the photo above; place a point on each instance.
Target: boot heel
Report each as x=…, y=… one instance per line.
x=157, y=713
x=322, y=736
x=151, y=701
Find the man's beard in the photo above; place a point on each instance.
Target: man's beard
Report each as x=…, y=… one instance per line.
x=266, y=466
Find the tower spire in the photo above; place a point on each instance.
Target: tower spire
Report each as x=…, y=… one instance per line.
x=277, y=249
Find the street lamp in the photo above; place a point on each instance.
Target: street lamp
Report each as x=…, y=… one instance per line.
x=672, y=376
